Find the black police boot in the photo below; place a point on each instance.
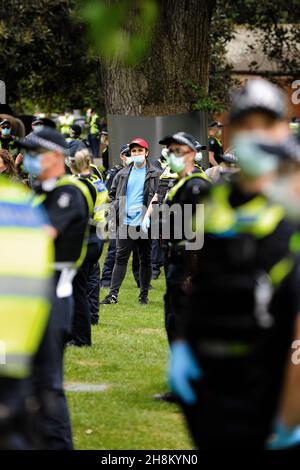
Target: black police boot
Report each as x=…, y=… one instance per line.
x=110, y=299
x=143, y=300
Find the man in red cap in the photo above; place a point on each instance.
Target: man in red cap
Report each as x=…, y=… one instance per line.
x=131, y=193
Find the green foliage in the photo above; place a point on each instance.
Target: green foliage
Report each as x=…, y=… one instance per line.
x=202, y=101
x=121, y=30
x=43, y=55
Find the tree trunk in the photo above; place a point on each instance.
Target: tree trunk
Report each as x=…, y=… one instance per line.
x=179, y=52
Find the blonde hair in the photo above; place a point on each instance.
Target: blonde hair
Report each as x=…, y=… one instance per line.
x=82, y=161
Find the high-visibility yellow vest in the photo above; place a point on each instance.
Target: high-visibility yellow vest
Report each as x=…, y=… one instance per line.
x=66, y=122
x=94, y=129
x=183, y=180
x=257, y=217
x=27, y=255
x=68, y=180
x=101, y=199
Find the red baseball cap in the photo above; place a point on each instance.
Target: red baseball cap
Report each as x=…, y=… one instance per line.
x=140, y=142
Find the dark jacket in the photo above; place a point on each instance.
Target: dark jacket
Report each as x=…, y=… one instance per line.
x=119, y=185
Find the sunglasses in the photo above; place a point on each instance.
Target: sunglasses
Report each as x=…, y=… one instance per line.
x=5, y=127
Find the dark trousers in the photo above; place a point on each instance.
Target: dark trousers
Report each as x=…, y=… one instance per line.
x=109, y=261
x=124, y=249
x=81, y=331
x=16, y=430
x=94, y=144
x=94, y=287
x=48, y=377
x=157, y=257
x=136, y=265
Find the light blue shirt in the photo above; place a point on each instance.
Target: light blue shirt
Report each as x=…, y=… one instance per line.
x=135, y=196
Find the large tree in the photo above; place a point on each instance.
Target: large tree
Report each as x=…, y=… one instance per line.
x=178, y=54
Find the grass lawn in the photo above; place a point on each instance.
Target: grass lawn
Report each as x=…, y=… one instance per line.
x=129, y=354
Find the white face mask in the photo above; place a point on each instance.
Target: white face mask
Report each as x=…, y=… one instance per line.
x=128, y=160
x=198, y=157
x=177, y=164
x=280, y=191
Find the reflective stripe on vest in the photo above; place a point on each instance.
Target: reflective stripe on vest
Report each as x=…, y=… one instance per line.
x=183, y=180
x=25, y=279
x=257, y=216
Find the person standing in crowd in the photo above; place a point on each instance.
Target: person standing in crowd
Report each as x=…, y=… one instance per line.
x=69, y=206
x=105, y=149
x=7, y=166
x=190, y=185
x=25, y=300
x=86, y=282
x=7, y=140
x=215, y=148
x=75, y=143
x=110, y=258
x=230, y=351
x=93, y=122
x=225, y=170
x=66, y=122
x=137, y=185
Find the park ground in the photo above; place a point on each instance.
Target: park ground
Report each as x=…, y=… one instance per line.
x=129, y=355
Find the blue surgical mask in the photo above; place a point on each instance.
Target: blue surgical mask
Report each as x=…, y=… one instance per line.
x=139, y=160
x=33, y=165
x=177, y=164
x=253, y=160
x=5, y=131
x=38, y=128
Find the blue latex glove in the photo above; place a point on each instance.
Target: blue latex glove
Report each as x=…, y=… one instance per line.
x=183, y=368
x=284, y=437
x=145, y=224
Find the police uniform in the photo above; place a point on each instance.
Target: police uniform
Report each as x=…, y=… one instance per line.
x=25, y=299
x=187, y=190
x=215, y=146
x=68, y=204
x=238, y=317
x=93, y=136
x=86, y=281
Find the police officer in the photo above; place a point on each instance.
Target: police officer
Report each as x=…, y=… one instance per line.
x=75, y=143
x=69, y=205
x=25, y=297
x=94, y=132
x=226, y=169
x=86, y=282
x=236, y=320
x=215, y=148
x=190, y=184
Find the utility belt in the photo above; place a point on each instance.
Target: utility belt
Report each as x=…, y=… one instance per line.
x=64, y=275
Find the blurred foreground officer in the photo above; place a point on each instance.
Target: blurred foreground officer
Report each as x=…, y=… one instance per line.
x=229, y=358
x=25, y=291
x=68, y=204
